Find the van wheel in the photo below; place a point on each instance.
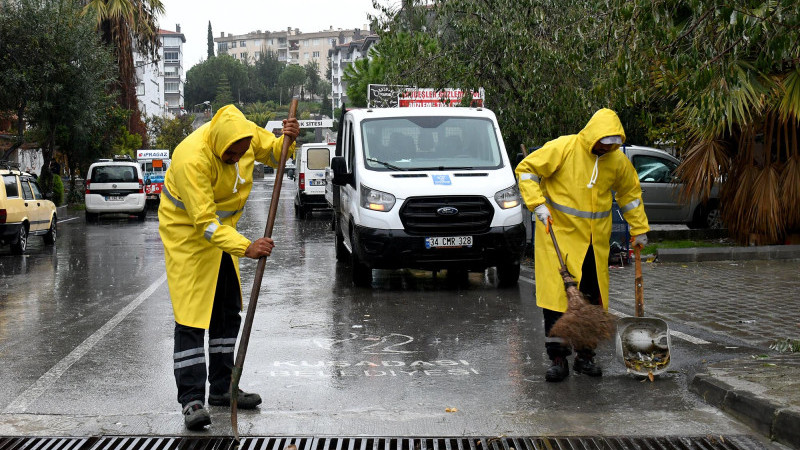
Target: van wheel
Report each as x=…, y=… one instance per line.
x=50, y=236
x=341, y=250
x=142, y=215
x=19, y=246
x=362, y=274
x=91, y=217
x=507, y=274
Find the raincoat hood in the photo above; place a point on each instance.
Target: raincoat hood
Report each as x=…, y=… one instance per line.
x=228, y=126
x=604, y=122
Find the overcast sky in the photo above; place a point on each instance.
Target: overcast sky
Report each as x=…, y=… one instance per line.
x=244, y=16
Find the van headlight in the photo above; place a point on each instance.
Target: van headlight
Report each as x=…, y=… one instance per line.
x=508, y=197
x=376, y=200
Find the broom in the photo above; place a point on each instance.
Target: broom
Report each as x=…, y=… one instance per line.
x=583, y=325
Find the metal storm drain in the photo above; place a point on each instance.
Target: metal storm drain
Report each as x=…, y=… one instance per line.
x=711, y=442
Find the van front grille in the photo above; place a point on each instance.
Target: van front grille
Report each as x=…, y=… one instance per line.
x=446, y=215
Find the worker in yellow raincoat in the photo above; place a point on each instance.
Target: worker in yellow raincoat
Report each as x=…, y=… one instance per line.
x=568, y=184
x=205, y=190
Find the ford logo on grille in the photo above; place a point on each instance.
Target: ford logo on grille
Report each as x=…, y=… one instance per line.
x=447, y=211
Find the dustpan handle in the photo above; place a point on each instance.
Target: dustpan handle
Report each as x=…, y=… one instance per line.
x=637, y=253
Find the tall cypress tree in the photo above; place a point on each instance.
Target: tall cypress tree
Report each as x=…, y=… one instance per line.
x=210, y=41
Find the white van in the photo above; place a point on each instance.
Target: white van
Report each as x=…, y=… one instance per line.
x=311, y=160
x=425, y=188
x=115, y=187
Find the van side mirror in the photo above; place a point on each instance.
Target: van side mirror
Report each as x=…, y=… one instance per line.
x=340, y=174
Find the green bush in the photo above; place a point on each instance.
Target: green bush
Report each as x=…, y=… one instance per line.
x=58, y=190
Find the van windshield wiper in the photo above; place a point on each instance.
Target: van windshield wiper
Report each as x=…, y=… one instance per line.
x=443, y=168
x=385, y=164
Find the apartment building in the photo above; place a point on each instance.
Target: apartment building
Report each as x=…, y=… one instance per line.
x=291, y=45
x=160, y=84
x=343, y=55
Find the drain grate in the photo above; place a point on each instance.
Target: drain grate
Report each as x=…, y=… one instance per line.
x=385, y=443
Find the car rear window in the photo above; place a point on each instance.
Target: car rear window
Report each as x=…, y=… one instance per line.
x=114, y=174
x=11, y=186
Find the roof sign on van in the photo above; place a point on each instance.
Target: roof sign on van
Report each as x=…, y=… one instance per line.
x=393, y=96
x=152, y=154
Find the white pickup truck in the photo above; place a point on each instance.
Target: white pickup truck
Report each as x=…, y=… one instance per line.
x=425, y=188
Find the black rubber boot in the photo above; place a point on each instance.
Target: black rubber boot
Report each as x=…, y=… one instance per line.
x=558, y=371
x=195, y=416
x=584, y=363
x=245, y=400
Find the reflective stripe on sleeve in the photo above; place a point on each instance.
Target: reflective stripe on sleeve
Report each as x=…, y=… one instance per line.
x=630, y=206
x=529, y=176
x=212, y=227
x=577, y=212
x=554, y=340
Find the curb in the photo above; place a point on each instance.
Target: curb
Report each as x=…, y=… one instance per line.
x=768, y=418
x=700, y=254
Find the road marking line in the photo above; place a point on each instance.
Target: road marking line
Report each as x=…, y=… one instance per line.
x=46, y=381
x=677, y=334
x=66, y=220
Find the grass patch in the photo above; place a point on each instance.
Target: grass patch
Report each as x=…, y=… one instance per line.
x=786, y=345
x=652, y=248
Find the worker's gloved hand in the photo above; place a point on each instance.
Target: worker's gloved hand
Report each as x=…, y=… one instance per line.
x=543, y=214
x=639, y=240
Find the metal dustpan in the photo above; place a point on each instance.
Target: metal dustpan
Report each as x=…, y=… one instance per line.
x=643, y=343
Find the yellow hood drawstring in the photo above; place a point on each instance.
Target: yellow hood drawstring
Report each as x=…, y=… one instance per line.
x=239, y=179
x=594, y=174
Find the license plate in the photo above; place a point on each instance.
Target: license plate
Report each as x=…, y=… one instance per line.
x=448, y=242
x=316, y=182
x=115, y=198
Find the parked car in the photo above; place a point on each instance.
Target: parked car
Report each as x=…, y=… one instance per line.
x=661, y=191
x=23, y=210
x=115, y=186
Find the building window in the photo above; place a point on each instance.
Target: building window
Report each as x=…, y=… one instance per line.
x=243, y=56
x=171, y=56
x=233, y=44
x=222, y=47
x=140, y=89
x=315, y=54
x=305, y=55
x=242, y=43
x=317, y=41
x=171, y=86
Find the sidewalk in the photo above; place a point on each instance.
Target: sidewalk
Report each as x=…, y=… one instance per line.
x=747, y=293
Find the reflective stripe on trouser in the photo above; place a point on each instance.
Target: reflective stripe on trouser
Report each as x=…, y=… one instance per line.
x=222, y=333
x=590, y=288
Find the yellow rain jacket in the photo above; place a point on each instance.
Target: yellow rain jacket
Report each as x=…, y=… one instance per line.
x=577, y=185
x=201, y=203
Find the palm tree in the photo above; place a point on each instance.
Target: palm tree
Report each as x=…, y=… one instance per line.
x=125, y=26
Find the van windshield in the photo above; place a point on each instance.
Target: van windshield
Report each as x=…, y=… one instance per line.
x=430, y=143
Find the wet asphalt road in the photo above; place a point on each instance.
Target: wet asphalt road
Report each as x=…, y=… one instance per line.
x=86, y=347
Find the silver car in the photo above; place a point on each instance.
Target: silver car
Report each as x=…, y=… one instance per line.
x=661, y=191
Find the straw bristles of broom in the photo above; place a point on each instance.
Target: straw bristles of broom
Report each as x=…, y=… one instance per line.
x=583, y=326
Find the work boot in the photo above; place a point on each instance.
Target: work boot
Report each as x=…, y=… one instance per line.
x=245, y=400
x=584, y=363
x=195, y=416
x=558, y=371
